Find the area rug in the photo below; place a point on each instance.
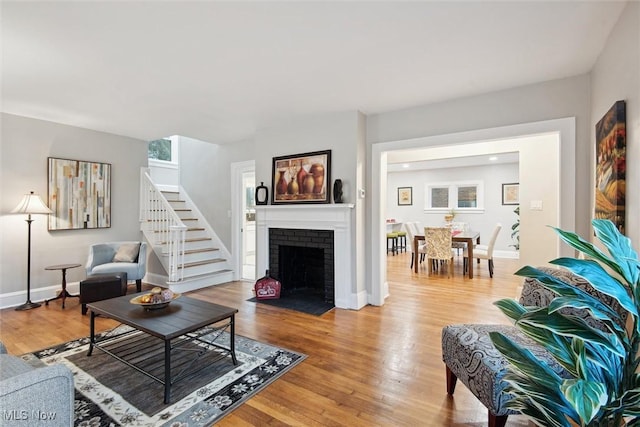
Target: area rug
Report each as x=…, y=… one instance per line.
x=109, y=393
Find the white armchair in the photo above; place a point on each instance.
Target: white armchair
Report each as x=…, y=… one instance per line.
x=117, y=257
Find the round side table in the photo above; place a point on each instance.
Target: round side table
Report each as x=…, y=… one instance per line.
x=63, y=293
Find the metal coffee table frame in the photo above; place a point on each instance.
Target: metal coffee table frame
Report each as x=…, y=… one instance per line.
x=193, y=320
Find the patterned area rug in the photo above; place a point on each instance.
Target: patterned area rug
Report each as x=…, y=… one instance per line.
x=109, y=393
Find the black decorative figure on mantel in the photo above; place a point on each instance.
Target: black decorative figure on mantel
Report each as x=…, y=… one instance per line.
x=337, y=191
x=262, y=194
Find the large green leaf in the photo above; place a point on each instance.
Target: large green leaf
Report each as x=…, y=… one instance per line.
x=587, y=397
x=600, y=280
x=572, y=327
x=620, y=249
x=511, y=308
x=564, y=289
x=559, y=303
x=558, y=345
x=524, y=360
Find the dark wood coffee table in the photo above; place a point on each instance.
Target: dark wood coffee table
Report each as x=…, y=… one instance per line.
x=183, y=321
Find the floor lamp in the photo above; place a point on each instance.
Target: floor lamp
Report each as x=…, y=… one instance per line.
x=31, y=204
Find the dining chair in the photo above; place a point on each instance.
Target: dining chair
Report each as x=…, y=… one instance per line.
x=438, y=247
x=408, y=227
x=483, y=251
x=460, y=227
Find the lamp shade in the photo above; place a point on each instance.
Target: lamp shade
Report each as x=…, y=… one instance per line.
x=32, y=204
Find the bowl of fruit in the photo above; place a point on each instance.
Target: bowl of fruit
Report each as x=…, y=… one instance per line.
x=157, y=298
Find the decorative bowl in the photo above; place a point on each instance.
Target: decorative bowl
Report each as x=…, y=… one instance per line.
x=152, y=305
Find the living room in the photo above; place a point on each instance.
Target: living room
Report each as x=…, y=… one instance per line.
x=29, y=138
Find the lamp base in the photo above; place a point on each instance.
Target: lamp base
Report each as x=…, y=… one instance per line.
x=28, y=306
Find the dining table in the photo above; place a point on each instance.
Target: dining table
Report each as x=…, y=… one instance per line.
x=467, y=237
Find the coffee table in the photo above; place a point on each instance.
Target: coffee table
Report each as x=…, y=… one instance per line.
x=183, y=321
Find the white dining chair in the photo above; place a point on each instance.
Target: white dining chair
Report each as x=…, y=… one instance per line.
x=484, y=251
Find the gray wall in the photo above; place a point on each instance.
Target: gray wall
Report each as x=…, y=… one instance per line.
x=205, y=173
x=545, y=101
x=616, y=76
x=26, y=144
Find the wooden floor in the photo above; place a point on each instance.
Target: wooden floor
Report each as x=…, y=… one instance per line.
x=376, y=366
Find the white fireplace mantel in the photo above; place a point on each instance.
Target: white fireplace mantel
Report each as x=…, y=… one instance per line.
x=336, y=217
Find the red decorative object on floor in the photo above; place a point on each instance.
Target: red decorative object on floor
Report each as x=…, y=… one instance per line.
x=267, y=287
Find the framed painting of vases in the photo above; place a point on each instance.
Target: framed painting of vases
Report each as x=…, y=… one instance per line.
x=611, y=166
x=302, y=178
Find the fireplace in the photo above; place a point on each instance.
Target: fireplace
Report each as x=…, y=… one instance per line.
x=336, y=219
x=302, y=260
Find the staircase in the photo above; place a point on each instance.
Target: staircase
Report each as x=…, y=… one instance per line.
x=191, y=253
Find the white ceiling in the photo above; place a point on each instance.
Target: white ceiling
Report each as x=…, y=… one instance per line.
x=219, y=71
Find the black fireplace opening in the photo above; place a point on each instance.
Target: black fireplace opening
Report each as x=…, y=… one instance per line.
x=302, y=270
x=303, y=261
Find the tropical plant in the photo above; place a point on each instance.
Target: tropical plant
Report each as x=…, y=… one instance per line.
x=602, y=383
x=515, y=230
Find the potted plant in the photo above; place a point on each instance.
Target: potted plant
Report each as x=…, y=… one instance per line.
x=450, y=215
x=515, y=230
x=602, y=385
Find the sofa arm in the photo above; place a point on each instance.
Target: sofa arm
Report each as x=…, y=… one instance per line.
x=39, y=397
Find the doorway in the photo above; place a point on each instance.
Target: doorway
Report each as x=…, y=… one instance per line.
x=564, y=217
x=243, y=220
x=248, y=253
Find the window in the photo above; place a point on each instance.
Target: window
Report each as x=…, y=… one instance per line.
x=461, y=196
x=160, y=149
x=163, y=152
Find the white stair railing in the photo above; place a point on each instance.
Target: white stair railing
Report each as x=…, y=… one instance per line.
x=161, y=225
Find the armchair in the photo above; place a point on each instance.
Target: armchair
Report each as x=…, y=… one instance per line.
x=119, y=257
x=33, y=396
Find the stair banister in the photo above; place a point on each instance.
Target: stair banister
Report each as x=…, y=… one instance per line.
x=161, y=225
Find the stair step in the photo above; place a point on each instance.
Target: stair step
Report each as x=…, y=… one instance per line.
x=196, y=239
x=188, y=229
x=199, y=251
x=166, y=219
x=199, y=263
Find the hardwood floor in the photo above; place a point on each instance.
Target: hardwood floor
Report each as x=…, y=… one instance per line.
x=376, y=366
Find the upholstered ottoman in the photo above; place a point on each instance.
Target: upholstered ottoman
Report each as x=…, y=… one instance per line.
x=469, y=355
x=101, y=287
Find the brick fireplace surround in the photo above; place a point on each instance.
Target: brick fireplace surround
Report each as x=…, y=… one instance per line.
x=335, y=217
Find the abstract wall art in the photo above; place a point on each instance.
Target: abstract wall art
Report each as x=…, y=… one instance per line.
x=79, y=194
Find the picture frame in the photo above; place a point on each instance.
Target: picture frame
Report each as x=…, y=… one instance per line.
x=405, y=196
x=301, y=178
x=511, y=193
x=79, y=194
x=611, y=166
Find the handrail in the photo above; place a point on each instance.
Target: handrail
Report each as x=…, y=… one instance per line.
x=161, y=225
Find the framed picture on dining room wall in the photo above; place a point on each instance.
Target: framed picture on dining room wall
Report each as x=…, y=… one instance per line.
x=511, y=193
x=302, y=178
x=405, y=196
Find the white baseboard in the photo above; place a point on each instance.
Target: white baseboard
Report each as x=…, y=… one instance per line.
x=507, y=254
x=14, y=299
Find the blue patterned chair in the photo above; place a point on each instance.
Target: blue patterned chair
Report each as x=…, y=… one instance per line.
x=469, y=354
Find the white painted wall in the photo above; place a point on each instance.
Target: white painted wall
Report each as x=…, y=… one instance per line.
x=205, y=173
x=493, y=176
x=616, y=76
x=544, y=101
x=25, y=145
x=343, y=134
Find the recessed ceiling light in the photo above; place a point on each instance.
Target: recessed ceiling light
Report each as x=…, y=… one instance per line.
x=406, y=165
x=493, y=158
